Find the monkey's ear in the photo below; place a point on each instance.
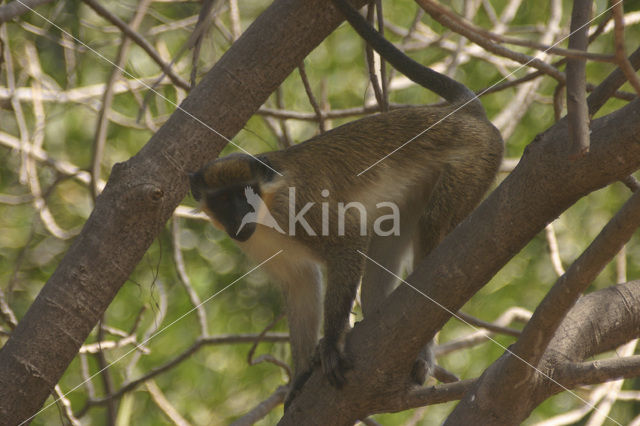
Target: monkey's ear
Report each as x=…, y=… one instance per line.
x=261, y=167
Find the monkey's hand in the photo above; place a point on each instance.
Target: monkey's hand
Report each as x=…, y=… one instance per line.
x=334, y=362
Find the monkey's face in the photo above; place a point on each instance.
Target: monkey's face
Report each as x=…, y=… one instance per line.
x=221, y=189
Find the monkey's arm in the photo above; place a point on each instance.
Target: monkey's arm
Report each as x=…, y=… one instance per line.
x=344, y=270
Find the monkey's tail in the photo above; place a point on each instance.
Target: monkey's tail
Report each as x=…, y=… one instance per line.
x=454, y=92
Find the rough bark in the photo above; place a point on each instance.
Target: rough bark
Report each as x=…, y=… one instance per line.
x=141, y=195
x=599, y=322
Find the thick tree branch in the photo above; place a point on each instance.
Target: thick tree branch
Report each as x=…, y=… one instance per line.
x=142, y=194
x=551, y=311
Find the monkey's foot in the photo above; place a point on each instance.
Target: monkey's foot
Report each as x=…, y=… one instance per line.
x=334, y=363
x=420, y=371
x=424, y=365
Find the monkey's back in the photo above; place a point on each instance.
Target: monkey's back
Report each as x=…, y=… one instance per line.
x=408, y=142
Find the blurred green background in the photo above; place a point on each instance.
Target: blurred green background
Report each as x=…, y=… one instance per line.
x=215, y=384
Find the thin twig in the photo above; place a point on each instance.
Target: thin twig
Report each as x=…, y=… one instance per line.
x=577, y=110
x=100, y=136
x=451, y=21
x=311, y=97
x=163, y=403
x=621, y=56
x=184, y=278
x=140, y=41
x=16, y=8
x=263, y=408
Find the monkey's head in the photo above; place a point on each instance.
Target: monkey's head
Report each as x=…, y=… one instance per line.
x=220, y=188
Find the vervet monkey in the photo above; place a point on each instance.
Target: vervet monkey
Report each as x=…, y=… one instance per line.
x=381, y=185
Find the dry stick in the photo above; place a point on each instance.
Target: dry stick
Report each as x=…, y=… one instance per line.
x=284, y=137
x=105, y=374
x=554, y=252
x=495, y=328
x=261, y=410
x=621, y=56
x=451, y=21
x=100, y=137
x=16, y=106
x=65, y=406
x=140, y=41
x=234, y=17
x=383, y=64
x=593, y=372
x=312, y=99
x=336, y=113
x=165, y=406
x=184, y=278
x=598, y=31
x=514, y=314
x=268, y=358
x=554, y=50
x=371, y=67
x=434, y=395
x=577, y=110
x=545, y=321
x=40, y=203
x=513, y=112
x=608, y=87
x=199, y=343
x=202, y=24
x=198, y=35
x=599, y=416
x=17, y=8
x=6, y=313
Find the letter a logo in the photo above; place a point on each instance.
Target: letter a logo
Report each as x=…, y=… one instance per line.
x=260, y=213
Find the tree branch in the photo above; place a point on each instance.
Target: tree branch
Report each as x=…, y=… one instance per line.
x=11, y=10
x=141, y=195
x=577, y=110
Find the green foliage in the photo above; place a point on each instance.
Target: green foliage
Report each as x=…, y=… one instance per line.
x=216, y=385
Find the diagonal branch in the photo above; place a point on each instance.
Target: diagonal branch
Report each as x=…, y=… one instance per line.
x=16, y=8
x=140, y=41
x=141, y=195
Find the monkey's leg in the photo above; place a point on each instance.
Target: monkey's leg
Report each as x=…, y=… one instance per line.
x=302, y=287
x=379, y=281
x=344, y=270
x=303, y=296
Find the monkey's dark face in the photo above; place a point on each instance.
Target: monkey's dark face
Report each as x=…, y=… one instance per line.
x=220, y=188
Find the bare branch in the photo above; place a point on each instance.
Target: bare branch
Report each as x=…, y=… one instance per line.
x=100, y=137
x=16, y=8
x=164, y=404
x=450, y=20
x=261, y=410
x=577, y=110
x=137, y=38
x=621, y=56
x=551, y=311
